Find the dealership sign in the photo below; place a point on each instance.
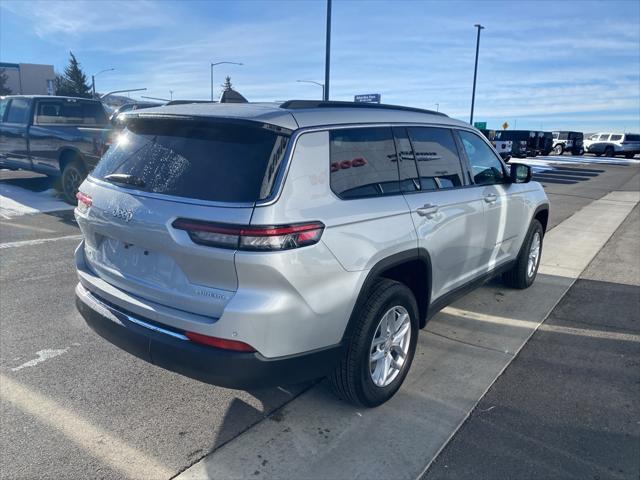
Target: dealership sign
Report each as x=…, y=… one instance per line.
x=367, y=98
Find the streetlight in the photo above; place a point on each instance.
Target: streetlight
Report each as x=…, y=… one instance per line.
x=93, y=80
x=475, y=71
x=437, y=107
x=315, y=83
x=171, y=94
x=219, y=63
x=327, y=58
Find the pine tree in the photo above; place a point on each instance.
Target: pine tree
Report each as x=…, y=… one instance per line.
x=227, y=84
x=74, y=82
x=4, y=90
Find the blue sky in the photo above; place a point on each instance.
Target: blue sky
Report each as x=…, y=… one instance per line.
x=543, y=65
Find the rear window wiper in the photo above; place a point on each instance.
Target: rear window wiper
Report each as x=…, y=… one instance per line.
x=125, y=179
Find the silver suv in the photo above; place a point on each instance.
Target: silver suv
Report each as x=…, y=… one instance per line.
x=252, y=245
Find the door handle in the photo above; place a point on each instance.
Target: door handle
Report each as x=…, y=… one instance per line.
x=428, y=210
x=491, y=198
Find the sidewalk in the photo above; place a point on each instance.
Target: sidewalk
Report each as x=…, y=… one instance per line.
x=569, y=405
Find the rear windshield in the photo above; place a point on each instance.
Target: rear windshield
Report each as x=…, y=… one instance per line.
x=70, y=112
x=200, y=160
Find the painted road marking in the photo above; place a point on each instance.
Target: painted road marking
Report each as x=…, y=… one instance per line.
x=38, y=241
x=317, y=436
x=99, y=443
x=42, y=356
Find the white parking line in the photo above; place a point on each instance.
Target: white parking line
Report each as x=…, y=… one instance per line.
x=99, y=443
x=463, y=351
x=38, y=241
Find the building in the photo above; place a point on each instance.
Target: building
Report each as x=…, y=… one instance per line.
x=29, y=78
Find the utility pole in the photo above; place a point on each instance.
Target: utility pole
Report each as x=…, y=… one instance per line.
x=475, y=72
x=327, y=60
x=93, y=80
x=315, y=83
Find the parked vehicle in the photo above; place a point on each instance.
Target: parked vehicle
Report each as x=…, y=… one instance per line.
x=503, y=147
x=524, y=143
x=612, y=144
x=58, y=136
x=251, y=245
x=568, y=142
x=127, y=107
x=545, y=143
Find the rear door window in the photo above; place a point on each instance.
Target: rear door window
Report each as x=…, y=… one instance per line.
x=437, y=157
x=486, y=168
x=409, y=179
x=615, y=138
x=604, y=137
x=211, y=161
x=18, y=111
x=363, y=162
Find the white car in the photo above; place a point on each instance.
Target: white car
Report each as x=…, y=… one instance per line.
x=612, y=144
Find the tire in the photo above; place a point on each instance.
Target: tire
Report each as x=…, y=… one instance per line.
x=577, y=152
x=598, y=154
x=609, y=152
x=73, y=175
x=353, y=380
x=629, y=155
x=558, y=149
x=522, y=276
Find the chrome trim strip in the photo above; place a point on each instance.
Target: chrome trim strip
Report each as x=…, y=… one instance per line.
x=135, y=320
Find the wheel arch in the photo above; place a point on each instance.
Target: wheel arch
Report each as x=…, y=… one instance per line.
x=67, y=155
x=412, y=268
x=542, y=215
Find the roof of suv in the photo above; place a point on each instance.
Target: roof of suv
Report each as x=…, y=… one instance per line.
x=295, y=114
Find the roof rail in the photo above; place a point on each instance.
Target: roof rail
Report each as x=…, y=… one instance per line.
x=299, y=104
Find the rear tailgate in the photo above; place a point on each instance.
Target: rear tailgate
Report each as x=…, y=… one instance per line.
x=162, y=170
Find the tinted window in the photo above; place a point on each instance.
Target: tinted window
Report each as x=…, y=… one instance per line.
x=632, y=137
x=205, y=161
x=363, y=162
x=18, y=111
x=437, y=156
x=409, y=181
x=485, y=166
x=563, y=136
x=556, y=135
x=70, y=113
x=604, y=137
x=615, y=137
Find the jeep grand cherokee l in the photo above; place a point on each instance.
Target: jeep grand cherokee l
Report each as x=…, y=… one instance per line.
x=249, y=245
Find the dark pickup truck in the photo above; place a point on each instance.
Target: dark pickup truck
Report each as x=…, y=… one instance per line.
x=58, y=136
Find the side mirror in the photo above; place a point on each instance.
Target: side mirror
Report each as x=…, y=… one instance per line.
x=519, y=173
x=506, y=158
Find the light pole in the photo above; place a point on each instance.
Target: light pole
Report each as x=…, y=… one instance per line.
x=219, y=63
x=171, y=94
x=315, y=83
x=93, y=80
x=475, y=71
x=327, y=58
x=437, y=107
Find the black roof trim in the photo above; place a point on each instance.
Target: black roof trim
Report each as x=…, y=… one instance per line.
x=300, y=104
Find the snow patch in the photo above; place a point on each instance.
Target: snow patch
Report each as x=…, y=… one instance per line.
x=16, y=201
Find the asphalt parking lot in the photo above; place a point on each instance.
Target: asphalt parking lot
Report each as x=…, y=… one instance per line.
x=74, y=406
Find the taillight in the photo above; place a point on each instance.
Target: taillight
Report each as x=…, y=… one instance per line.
x=223, y=343
x=84, y=201
x=257, y=238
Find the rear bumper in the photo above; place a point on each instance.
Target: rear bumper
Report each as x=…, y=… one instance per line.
x=171, y=350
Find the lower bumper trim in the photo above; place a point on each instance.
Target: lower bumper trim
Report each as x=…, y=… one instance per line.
x=173, y=351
